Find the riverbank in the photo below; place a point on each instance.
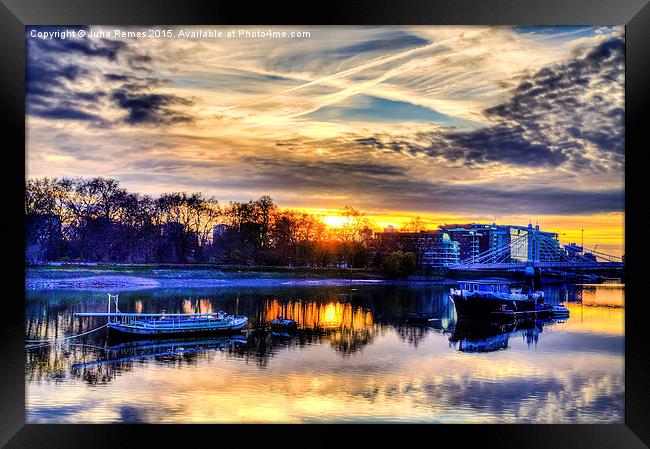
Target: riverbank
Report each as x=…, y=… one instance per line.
x=136, y=277
x=120, y=277
x=209, y=269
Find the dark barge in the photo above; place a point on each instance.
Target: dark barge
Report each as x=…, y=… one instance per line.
x=494, y=299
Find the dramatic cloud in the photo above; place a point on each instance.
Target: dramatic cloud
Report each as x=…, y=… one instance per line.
x=383, y=186
x=45, y=77
x=398, y=121
x=573, y=105
x=105, y=48
x=67, y=113
x=150, y=108
x=59, y=70
x=567, y=112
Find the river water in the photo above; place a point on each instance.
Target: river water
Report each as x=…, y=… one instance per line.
x=354, y=359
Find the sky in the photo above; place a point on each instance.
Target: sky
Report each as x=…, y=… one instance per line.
x=452, y=124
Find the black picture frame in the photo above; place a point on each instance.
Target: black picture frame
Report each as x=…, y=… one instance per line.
x=634, y=14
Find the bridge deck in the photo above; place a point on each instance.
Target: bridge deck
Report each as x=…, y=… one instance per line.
x=521, y=265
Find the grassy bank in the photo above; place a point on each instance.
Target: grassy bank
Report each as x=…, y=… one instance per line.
x=203, y=270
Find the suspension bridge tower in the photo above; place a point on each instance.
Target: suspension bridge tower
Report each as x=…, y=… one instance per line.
x=532, y=272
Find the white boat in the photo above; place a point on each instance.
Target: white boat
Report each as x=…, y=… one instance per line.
x=560, y=311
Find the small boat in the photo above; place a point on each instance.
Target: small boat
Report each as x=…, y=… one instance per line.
x=560, y=311
x=148, y=324
x=284, y=323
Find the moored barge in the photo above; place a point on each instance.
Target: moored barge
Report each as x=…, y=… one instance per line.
x=167, y=324
x=495, y=299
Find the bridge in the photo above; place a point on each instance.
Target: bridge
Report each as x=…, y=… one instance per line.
x=531, y=247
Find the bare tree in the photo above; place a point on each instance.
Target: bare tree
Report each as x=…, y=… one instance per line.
x=415, y=224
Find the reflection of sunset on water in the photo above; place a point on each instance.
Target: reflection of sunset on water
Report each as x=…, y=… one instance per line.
x=194, y=306
x=600, y=311
x=432, y=384
x=313, y=315
x=612, y=295
x=596, y=319
x=352, y=359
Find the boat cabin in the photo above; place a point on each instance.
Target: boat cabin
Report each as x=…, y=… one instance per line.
x=486, y=285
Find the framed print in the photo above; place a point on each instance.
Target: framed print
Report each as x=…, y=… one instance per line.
x=429, y=214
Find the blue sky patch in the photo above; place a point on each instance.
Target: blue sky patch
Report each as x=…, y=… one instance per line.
x=364, y=108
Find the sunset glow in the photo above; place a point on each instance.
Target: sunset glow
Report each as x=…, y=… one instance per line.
x=451, y=124
x=606, y=231
x=335, y=221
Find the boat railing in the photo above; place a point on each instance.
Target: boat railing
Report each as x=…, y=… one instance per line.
x=115, y=316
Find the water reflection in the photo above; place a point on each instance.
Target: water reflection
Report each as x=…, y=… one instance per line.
x=347, y=328
x=477, y=336
x=332, y=315
x=354, y=357
x=122, y=357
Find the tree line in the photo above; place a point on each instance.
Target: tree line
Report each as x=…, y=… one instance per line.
x=97, y=220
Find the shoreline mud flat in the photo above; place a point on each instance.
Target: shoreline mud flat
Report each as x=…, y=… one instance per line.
x=92, y=283
x=126, y=283
x=122, y=279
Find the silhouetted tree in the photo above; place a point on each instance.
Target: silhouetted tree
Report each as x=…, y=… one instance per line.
x=399, y=264
x=96, y=219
